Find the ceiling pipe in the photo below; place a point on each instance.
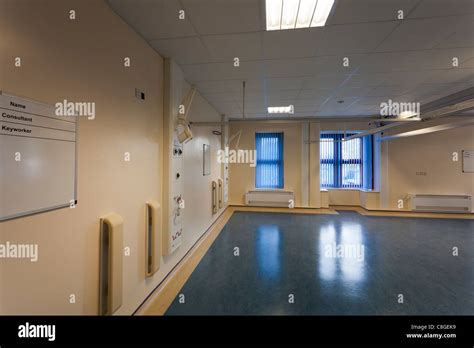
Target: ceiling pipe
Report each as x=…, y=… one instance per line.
x=284, y=120
x=369, y=121
x=431, y=129
x=446, y=106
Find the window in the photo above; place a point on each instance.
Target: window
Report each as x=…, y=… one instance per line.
x=269, y=169
x=345, y=164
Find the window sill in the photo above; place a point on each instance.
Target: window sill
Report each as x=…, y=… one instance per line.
x=348, y=189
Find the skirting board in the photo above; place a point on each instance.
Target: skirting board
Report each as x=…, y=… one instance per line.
x=161, y=298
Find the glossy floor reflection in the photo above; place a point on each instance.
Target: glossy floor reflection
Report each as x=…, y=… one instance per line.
x=334, y=265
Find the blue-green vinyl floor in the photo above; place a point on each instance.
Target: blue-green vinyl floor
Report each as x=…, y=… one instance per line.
x=346, y=264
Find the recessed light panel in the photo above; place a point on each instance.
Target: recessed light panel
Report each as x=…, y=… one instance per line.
x=281, y=109
x=293, y=14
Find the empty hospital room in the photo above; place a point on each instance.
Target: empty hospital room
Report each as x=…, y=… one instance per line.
x=216, y=171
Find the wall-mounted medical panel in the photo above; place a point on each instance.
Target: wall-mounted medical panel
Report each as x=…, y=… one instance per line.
x=152, y=237
x=173, y=173
x=111, y=263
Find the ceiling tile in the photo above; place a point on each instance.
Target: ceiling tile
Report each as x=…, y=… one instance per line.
x=182, y=50
x=282, y=94
x=433, y=8
x=223, y=17
x=389, y=90
x=222, y=71
x=395, y=61
x=427, y=89
x=298, y=43
x=355, y=38
x=289, y=67
x=207, y=87
x=463, y=35
x=226, y=47
x=388, y=79
x=353, y=92
x=453, y=75
x=289, y=83
x=334, y=105
x=155, y=19
x=313, y=94
x=324, y=81
x=418, y=34
x=356, y=11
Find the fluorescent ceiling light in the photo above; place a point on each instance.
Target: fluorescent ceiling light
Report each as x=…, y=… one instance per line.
x=281, y=109
x=305, y=13
x=321, y=14
x=273, y=9
x=291, y=14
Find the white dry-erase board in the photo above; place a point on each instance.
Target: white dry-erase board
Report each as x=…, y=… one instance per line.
x=206, y=159
x=468, y=161
x=37, y=158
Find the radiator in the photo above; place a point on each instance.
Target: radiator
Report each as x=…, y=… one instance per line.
x=269, y=198
x=441, y=203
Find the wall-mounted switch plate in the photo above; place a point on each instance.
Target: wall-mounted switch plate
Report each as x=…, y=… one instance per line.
x=139, y=94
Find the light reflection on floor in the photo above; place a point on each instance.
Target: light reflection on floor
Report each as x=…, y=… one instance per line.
x=268, y=251
x=282, y=254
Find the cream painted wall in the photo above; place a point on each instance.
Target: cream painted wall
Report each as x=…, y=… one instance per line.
x=430, y=153
x=242, y=176
x=82, y=60
x=343, y=197
x=315, y=199
x=399, y=160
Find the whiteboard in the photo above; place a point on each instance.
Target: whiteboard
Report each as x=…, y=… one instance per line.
x=206, y=159
x=468, y=161
x=37, y=158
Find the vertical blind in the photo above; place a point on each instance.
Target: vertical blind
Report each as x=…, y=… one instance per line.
x=342, y=162
x=269, y=170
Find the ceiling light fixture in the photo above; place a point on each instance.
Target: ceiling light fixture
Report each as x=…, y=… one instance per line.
x=281, y=109
x=292, y=14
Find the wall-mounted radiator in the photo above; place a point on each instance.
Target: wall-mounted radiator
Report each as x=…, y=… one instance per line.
x=111, y=264
x=152, y=238
x=269, y=198
x=441, y=203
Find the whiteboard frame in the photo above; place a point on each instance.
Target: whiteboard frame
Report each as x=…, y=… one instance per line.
x=206, y=159
x=61, y=206
x=462, y=154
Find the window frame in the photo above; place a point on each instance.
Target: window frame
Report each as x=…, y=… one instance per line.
x=338, y=162
x=280, y=163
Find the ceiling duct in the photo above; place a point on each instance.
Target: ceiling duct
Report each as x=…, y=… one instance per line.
x=452, y=104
